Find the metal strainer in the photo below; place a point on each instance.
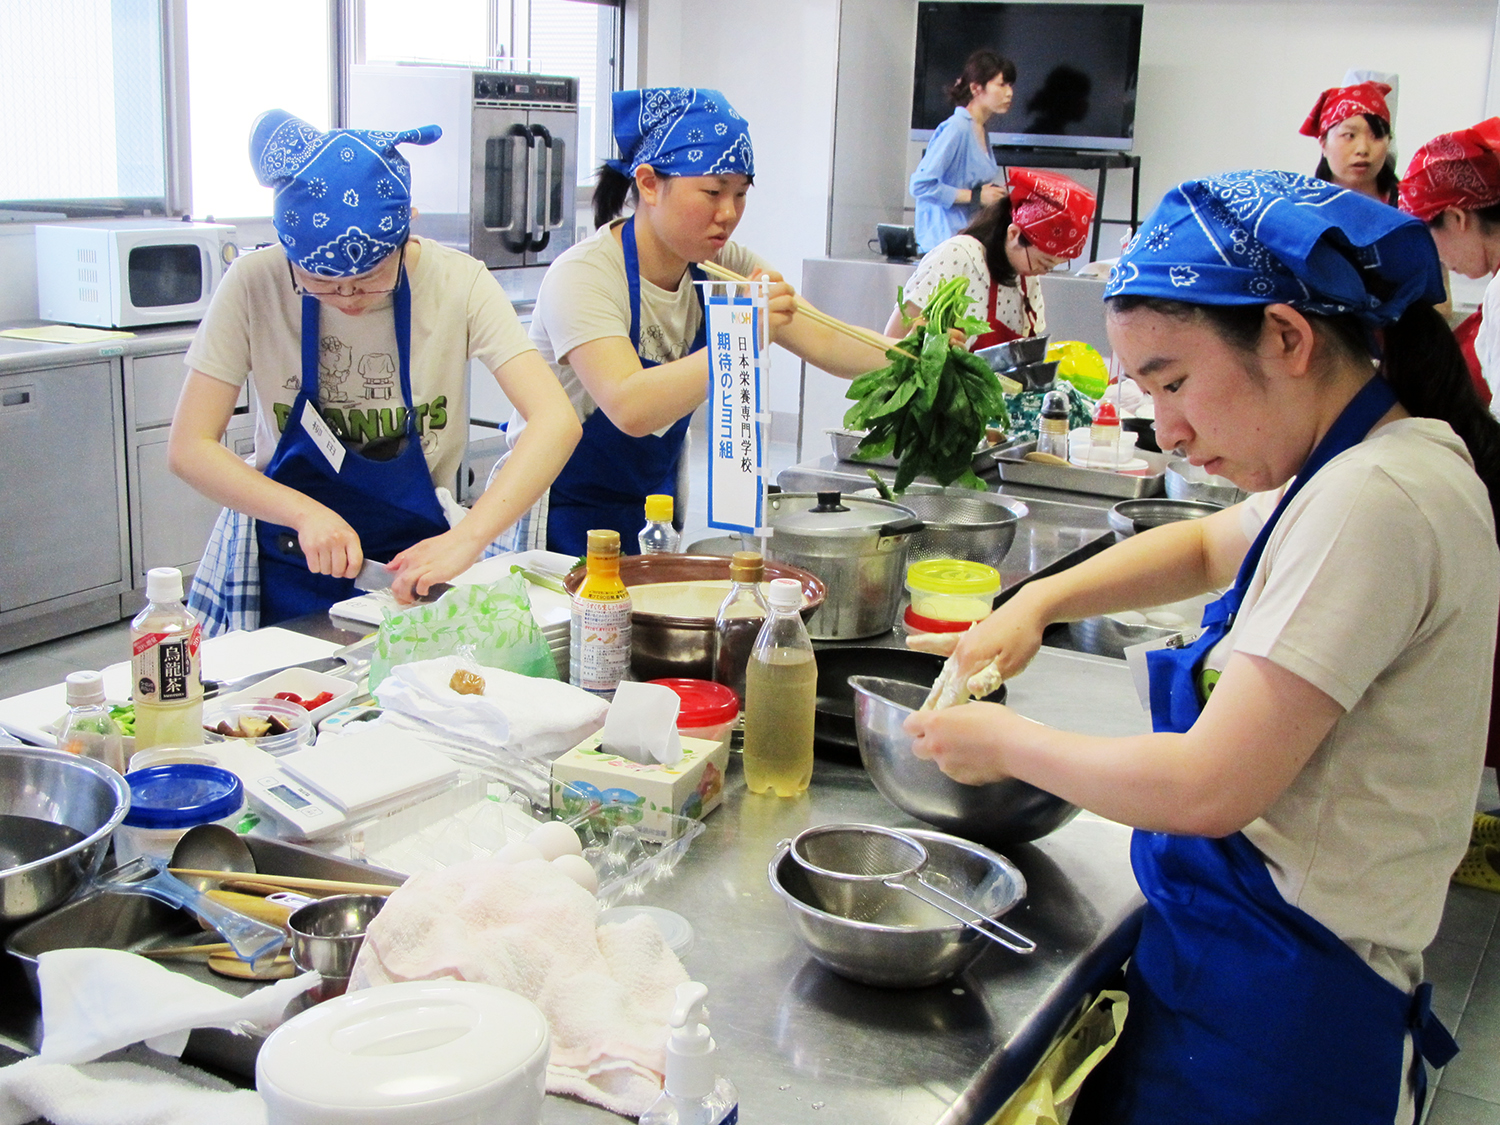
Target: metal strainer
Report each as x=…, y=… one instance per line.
x=978, y=527
x=863, y=871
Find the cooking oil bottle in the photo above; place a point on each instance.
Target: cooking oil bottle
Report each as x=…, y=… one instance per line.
x=166, y=685
x=599, y=642
x=738, y=622
x=781, y=690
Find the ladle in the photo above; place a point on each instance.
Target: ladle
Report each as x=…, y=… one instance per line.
x=211, y=847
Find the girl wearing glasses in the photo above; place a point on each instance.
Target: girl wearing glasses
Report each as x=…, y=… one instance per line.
x=356, y=337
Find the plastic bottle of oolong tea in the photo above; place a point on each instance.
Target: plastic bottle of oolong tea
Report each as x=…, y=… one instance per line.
x=599, y=643
x=781, y=690
x=166, y=686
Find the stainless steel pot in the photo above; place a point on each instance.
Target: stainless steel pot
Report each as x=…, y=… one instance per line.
x=858, y=548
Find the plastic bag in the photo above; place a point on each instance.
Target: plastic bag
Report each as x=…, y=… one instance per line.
x=1026, y=406
x=1046, y=1098
x=493, y=618
x=1082, y=365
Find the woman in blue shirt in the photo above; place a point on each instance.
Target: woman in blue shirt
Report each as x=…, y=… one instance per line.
x=957, y=169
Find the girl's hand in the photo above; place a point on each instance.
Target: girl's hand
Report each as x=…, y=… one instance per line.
x=424, y=564
x=783, y=301
x=329, y=544
x=990, y=193
x=966, y=743
x=1013, y=633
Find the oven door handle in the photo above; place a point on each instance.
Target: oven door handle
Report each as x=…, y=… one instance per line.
x=539, y=209
x=505, y=186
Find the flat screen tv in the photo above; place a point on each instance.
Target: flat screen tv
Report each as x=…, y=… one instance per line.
x=1076, y=69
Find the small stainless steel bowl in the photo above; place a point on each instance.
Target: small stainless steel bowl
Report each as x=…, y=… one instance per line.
x=57, y=813
x=913, y=944
x=978, y=526
x=1006, y=812
x=1014, y=353
x=326, y=935
x=1129, y=517
x=1186, y=481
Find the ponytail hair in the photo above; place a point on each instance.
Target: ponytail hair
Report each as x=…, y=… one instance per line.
x=990, y=227
x=611, y=192
x=979, y=69
x=1420, y=360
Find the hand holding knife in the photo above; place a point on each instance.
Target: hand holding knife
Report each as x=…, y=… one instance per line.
x=373, y=576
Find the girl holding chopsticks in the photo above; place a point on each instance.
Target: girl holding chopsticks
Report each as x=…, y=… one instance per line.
x=620, y=317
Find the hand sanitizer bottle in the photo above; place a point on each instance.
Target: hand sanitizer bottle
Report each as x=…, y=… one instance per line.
x=694, y=1094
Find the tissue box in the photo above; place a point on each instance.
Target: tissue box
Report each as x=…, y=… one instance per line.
x=646, y=796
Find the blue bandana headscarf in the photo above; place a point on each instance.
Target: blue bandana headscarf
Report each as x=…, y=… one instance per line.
x=1258, y=238
x=680, y=131
x=343, y=198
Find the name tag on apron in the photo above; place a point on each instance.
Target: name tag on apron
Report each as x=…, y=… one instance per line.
x=1135, y=660
x=322, y=436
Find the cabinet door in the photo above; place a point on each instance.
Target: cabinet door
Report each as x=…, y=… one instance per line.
x=175, y=518
x=60, y=503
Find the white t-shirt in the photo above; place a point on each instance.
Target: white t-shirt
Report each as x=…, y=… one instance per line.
x=253, y=329
x=1379, y=586
x=963, y=256
x=1487, y=341
x=585, y=296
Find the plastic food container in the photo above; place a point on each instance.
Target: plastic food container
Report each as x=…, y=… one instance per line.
x=949, y=595
x=301, y=682
x=708, y=711
x=165, y=801
x=297, y=721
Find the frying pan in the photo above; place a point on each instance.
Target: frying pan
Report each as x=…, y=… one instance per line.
x=834, y=738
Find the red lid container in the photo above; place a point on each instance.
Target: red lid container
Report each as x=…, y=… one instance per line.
x=923, y=624
x=704, y=703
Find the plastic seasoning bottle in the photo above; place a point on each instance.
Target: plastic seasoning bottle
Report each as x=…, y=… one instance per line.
x=781, y=690
x=1104, y=433
x=599, y=641
x=165, y=639
x=738, y=622
x=659, y=537
x=1052, y=425
x=89, y=729
x=694, y=1093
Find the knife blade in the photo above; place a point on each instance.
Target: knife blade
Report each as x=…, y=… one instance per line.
x=373, y=576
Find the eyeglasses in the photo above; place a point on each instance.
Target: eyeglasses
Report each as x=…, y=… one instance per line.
x=348, y=289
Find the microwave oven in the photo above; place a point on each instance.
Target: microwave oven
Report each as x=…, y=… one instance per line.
x=125, y=273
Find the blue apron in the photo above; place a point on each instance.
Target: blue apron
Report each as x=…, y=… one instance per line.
x=390, y=504
x=1244, y=1008
x=606, y=481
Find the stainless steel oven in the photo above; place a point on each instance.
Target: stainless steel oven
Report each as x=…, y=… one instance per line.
x=501, y=184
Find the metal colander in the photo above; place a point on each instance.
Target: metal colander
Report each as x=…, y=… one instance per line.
x=977, y=527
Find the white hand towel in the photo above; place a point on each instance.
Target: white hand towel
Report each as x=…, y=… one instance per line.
x=607, y=993
x=121, y=1092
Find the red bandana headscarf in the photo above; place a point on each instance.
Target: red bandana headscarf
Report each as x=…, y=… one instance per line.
x=1343, y=102
x=1459, y=169
x=1052, y=210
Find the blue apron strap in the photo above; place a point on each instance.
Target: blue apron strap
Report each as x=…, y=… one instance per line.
x=310, y=312
x=633, y=282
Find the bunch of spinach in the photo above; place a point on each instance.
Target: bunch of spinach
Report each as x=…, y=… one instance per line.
x=930, y=406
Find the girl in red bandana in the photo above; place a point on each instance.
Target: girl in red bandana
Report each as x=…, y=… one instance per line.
x=1042, y=220
x=1353, y=126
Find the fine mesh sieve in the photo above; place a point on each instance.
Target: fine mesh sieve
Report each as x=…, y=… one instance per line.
x=974, y=527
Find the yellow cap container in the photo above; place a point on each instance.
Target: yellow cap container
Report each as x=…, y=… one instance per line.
x=952, y=589
x=658, y=507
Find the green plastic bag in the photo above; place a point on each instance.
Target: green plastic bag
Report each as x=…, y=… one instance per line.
x=494, y=619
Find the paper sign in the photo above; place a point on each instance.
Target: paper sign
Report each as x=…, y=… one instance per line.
x=322, y=436
x=736, y=394
x=1135, y=660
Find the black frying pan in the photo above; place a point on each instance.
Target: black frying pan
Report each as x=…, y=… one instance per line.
x=834, y=738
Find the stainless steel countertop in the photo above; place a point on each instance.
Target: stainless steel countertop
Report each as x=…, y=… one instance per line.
x=29, y=355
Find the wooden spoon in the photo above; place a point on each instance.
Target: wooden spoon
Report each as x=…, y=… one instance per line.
x=226, y=964
x=1044, y=459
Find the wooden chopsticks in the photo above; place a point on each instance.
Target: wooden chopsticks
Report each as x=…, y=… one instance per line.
x=267, y=884
x=864, y=336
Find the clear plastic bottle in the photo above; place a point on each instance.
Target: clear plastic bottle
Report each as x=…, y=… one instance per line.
x=599, y=641
x=166, y=684
x=89, y=729
x=1052, y=425
x=694, y=1093
x=659, y=537
x=738, y=622
x=781, y=690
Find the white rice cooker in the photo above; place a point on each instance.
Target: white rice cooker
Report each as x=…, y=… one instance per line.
x=419, y=1053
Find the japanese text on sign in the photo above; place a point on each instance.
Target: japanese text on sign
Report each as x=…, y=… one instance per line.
x=736, y=392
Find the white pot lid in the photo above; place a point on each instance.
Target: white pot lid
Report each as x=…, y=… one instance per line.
x=388, y=1053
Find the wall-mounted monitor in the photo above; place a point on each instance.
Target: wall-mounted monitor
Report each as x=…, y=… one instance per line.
x=1076, y=70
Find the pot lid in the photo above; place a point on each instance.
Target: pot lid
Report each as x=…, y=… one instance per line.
x=831, y=514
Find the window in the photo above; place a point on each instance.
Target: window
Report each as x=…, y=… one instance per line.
x=81, y=98
x=450, y=31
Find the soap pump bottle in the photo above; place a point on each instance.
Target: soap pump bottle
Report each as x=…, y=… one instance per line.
x=694, y=1094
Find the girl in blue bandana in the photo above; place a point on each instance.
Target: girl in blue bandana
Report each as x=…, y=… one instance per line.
x=1308, y=784
x=356, y=337
x=620, y=319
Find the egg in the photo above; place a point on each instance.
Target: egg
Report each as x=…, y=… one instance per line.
x=518, y=851
x=577, y=868
x=554, y=839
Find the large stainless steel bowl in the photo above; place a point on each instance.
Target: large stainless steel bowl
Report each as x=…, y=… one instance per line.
x=978, y=526
x=1006, y=812
x=57, y=812
x=1129, y=517
x=1014, y=353
x=1187, y=481
x=1108, y=636
x=914, y=944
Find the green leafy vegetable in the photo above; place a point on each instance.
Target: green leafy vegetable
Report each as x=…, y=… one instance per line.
x=931, y=404
x=124, y=716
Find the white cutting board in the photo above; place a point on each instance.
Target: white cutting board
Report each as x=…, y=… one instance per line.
x=230, y=657
x=547, y=606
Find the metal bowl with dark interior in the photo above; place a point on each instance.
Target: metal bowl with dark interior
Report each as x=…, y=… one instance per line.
x=672, y=629
x=57, y=813
x=1013, y=353
x=1005, y=812
x=1130, y=517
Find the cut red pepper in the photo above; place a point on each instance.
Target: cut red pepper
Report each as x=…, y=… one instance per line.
x=318, y=700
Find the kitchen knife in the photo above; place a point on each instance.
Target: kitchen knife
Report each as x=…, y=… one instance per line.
x=373, y=576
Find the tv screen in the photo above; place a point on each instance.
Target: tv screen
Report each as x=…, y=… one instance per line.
x=1076, y=68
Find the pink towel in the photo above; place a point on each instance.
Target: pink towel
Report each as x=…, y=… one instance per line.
x=607, y=993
